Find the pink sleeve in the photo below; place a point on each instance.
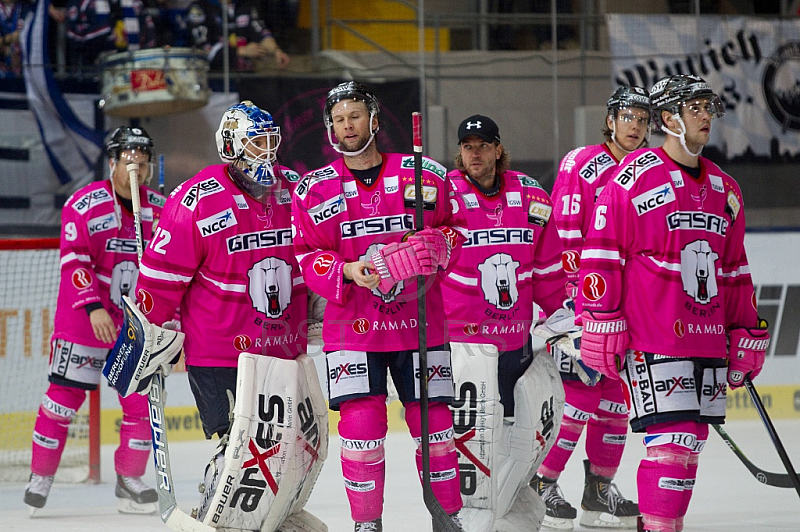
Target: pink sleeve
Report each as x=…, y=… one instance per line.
x=740, y=301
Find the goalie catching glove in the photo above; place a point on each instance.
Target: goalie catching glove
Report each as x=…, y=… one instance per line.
x=605, y=340
x=141, y=349
x=563, y=339
x=748, y=347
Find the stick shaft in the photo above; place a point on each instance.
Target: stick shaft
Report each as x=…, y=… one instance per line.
x=133, y=174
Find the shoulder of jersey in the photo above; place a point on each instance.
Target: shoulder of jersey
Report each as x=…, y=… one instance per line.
x=527, y=181
x=89, y=197
x=290, y=175
x=206, y=183
x=313, y=178
x=634, y=165
x=155, y=199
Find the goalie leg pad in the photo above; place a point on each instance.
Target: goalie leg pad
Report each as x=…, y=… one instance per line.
x=141, y=349
x=275, y=441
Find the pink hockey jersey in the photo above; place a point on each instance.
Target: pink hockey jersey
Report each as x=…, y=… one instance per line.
x=511, y=258
x=668, y=250
x=226, y=261
x=339, y=220
x=98, y=257
x=582, y=174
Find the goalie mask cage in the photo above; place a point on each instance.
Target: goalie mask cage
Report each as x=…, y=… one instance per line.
x=29, y=278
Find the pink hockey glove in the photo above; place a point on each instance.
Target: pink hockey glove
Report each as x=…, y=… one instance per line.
x=604, y=341
x=438, y=246
x=402, y=260
x=746, y=354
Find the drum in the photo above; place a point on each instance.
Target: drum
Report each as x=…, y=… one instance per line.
x=155, y=81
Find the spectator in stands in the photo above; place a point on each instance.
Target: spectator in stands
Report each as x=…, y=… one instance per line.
x=249, y=36
x=12, y=19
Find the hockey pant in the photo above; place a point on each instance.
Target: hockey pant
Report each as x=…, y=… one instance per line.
x=601, y=409
x=58, y=408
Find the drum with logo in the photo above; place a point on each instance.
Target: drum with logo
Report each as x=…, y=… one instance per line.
x=155, y=81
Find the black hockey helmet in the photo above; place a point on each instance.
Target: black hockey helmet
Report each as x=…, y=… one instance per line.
x=628, y=96
x=670, y=92
x=128, y=138
x=349, y=90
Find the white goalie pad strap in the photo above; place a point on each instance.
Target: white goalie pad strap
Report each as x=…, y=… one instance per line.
x=141, y=349
x=277, y=443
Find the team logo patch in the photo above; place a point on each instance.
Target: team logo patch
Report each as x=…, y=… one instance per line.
x=679, y=328
x=146, y=301
x=571, y=261
x=698, y=271
x=429, y=196
x=81, y=278
x=322, y=264
x=594, y=287
x=539, y=213
x=270, y=286
x=123, y=281
x=361, y=326
x=470, y=329
x=499, y=280
x=653, y=199
x=734, y=205
x=242, y=342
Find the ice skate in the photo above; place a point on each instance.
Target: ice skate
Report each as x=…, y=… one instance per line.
x=211, y=478
x=559, y=513
x=376, y=525
x=37, y=490
x=135, y=497
x=604, y=506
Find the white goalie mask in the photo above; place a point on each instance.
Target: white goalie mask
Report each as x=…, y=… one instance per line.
x=248, y=137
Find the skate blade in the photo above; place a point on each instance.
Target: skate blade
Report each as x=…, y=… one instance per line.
x=127, y=506
x=557, y=523
x=606, y=520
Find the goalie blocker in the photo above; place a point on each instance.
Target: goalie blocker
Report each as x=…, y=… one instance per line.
x=140, y=350
x=497, y=456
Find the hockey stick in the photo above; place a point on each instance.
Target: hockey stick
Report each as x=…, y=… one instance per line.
x=778, y=480
x=441, y=521
x=161, y=174
x=167, y=505
x=776, y=441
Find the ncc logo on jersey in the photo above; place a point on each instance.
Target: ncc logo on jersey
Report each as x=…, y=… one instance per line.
x=328, y=209
x=102, y=223
x=654, y=198
x=217, y=222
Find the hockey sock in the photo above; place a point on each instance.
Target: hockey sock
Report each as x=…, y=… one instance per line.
x=691, y=473
x=362, y=429
x=56, y=411
x=607, y=430
x=445, y=482
x=130, y=458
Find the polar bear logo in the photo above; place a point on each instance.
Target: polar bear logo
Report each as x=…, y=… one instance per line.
x=698, y=271
x=392, y=294
x=123, y=281
x=499, y=280
x=270, y=286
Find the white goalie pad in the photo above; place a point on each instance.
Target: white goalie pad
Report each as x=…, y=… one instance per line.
x=278, y=442
x=141, y=349
x=497, y=457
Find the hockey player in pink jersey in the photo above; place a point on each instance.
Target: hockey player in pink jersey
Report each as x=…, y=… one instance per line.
x=511, y=259
x=98, y=267
x=223, y=257
x=353, y=221
x=665, y=289
x=582, y=175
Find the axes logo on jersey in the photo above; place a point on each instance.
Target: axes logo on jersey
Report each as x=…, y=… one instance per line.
x=270, y=286
x=628, y=175
x=393, y=292
x=499, y=280
x=594, y=287
x=92, y=199
x=322, y=264
x=123, y=281
x=596, y=166
x=698, y=271
x=571, y=261
x=199, y=190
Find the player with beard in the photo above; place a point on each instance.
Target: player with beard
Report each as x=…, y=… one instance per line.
x=354, y=221
x=599, y=408
x=667, y=301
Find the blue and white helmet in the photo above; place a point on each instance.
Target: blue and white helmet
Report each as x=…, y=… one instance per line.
x=239, y=141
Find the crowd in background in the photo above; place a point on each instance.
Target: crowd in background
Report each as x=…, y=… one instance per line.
x=96, y=28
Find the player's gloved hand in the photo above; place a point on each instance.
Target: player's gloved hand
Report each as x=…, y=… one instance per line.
x=168, y=366
x=604, y=341
x=402, y=260
x=438, y=246
x=748, y=347
x=563, y=339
